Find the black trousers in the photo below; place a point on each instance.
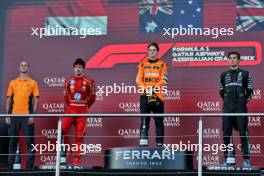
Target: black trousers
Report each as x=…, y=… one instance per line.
x=144, y=128
x=13, y=130
x=240, y=124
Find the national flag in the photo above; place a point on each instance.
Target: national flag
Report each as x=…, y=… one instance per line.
x=250, y=15
x=158, y=14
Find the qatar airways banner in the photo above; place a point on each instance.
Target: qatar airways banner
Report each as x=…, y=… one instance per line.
x=112, y=37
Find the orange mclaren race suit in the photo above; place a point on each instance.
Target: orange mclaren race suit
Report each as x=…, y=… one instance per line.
x=152, y=74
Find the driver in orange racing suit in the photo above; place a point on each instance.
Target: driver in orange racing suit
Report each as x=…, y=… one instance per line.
x=79, y=95
x=152, y=77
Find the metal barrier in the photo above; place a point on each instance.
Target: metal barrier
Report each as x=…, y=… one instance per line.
x=200, y=126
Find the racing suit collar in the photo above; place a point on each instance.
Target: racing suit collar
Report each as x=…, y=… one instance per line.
x=153, y=61
x=78, y=77
x=236, y=70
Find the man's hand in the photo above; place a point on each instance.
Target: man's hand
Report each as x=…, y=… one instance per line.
x=8, y=120
x=30, y=120
x=149, y=91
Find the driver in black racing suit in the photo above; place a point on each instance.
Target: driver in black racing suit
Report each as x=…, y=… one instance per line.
x=236, y=89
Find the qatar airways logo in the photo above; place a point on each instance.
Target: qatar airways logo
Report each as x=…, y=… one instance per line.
x=172, y=121
x=54, y=81
x=99, y=96
x=99, y=93
x=48, y=160
x=211, y=133
x=210, y=160
x=50, y=133
x=129, y=133
x=173, y=95
x=53, y=107
x=254, y=121
x=256, y=94
x=94, y=122
x=254, y=148
x=209, y=106
x=129, y=106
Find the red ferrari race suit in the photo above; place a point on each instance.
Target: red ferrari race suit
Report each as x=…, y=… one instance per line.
x=79, y=95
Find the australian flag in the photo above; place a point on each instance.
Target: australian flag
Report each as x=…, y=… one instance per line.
x=250, y=15
x=158, y=14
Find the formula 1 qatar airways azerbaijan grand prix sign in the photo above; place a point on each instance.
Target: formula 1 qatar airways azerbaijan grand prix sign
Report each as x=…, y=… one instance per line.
x=182, y=54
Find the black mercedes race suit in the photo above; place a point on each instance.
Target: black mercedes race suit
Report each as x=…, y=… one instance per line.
x=236, y=89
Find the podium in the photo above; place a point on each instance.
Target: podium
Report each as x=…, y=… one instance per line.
x=150, y=158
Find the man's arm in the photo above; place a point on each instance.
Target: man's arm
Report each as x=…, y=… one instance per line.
x=8, y=102
x=66, y=94
x=221, y=86
x=249, y=87
x=140, y=77
x=92, y=96
x=8, y=106
x=35, y=102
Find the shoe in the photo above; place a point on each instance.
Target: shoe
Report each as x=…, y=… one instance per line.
x=229, y=162
x=16, y=166
x=76, y=161
x=143, y=134
x=143, y=142
x=63, y=157
x=246, y=163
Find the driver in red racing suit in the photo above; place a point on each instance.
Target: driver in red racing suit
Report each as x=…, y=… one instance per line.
x=79, y=95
